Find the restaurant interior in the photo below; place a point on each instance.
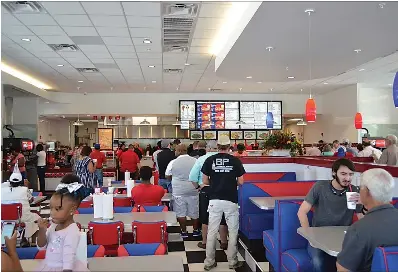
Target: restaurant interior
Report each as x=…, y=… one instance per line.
x=288, y=82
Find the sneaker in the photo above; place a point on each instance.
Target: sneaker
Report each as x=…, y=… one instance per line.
x=196, y=233
x=184, y=234
x=201, y=245
x=209, y=267
x=237, y=265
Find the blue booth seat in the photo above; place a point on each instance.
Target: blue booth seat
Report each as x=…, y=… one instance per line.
x=385, y=259
x=285, y=249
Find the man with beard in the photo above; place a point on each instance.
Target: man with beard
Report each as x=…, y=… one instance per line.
x=328, y=198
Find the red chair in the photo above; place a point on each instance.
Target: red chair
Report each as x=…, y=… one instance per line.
x=95, y=251
x=109, y=233
x=11, y=212
x=31, y=253
x=159, y=208
x=150, y=232
x=121, y=202
x=86, y=204
x=141, y=250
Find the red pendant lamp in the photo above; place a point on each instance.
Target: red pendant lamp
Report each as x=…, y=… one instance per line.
x=358, y=120
x=310, y=110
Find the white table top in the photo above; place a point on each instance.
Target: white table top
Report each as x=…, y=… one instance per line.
x=38, y=199
x=134, y=263
x=268, y=203
x=328, y=239
x=166, y=198
x=127, y=218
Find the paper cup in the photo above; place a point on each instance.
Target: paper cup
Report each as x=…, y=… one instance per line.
x=31, y=191
x=97, y=190
x=351, y=205
x=111, y=190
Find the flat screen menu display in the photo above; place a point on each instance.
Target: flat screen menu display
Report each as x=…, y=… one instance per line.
x=210, y=115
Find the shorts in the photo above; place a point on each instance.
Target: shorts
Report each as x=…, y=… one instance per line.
x=186, y=206
x=204, y=205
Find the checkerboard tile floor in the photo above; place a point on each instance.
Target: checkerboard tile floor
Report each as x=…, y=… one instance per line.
x=193, y=257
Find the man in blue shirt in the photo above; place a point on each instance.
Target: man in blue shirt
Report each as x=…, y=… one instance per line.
x=196, y=178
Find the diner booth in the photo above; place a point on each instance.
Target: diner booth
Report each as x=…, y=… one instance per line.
x=269, y=199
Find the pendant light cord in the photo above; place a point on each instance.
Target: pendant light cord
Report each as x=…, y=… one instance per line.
x=309, y=49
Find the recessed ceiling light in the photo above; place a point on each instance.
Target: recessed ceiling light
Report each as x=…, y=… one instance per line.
x=60, y=65
x=358, y=50
x=47, y=102
x=325, y=83
x=362, y=69
x=224, y=82
x=153, y=81
x=177, y=89
x=259, y=82
x=290, y=77
x=271, y=89
x=80, y=81
x=151, y=66
x=88, y=115
x=301, y=90
x=390, y=84
x=26, y=40
x=249, y=77
x=147, y=41
x=187, y=64
x=269, y=48
x=148, y=49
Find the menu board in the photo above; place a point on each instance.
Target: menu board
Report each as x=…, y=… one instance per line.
x=276, y=109
x=105, y=138
x=187, y=110
x=210, y=115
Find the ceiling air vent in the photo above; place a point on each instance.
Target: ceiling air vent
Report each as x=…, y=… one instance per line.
x=180, y=9
x=64, y=47
x=18, y=7
x=174, y=22
x=175, y=49
x=172, y=71
x=87, y=70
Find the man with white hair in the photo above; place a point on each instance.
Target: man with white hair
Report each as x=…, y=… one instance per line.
x=348, y=147
x=314, y=150
x=376, y=228
x=390, y=154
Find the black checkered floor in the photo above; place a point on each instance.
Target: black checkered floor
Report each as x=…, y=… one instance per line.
x=193, y=257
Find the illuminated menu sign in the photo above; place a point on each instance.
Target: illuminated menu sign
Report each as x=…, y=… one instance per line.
x=210, y=115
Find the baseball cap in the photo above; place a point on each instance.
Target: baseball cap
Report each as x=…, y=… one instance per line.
x=165, y=143
x=97, y=146
x=212, y=144
x=224, y=140
x=15, y=177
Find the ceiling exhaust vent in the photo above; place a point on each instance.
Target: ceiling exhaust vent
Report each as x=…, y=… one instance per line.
x=180, y=9
x=175, y=49
x=18, y=7
x=177, y=22
x=87, y=70
x=172, y=71
x=64, y=47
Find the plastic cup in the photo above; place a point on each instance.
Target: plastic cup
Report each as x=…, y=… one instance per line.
x=97, y=190
x=351, y=205
x=111, y=190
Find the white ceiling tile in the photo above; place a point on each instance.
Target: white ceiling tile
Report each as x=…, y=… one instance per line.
x=214, y=10
x=199, y=50
x=73, y=20
x=110, y=21
x=204, y=34
x=209, y=23
x=36, y=19
x=129, y=55
x=103, y=8
x=93, y=48
x=113, y=31
x=56, y=39
x=149, y=55
x=72, y=55
x=16, y=30
x=129, y=63
x=201, y=42
x=45, y=54
x=98, y=55
x=80, y=31
x=58, y=60
x=63, y=7
x=142, y=8
x=4, y=10
x=9, y=20
x=47, y=30
x=76, y=61
x=103, y=60
x=151, y=62
x=145, y=32
x=120, y=49
x=140, y=41
x=117, y=41
x=152, y=48
x=150, y=22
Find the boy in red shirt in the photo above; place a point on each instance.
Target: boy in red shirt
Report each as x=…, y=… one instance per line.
x=145, y=193
x=99, y=159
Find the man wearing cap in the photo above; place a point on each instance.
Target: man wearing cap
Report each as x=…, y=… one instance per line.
x=163, y=159
x=223, y=172
x=99, y=159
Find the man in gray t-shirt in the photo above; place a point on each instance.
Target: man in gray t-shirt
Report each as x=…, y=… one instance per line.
x=329, y=201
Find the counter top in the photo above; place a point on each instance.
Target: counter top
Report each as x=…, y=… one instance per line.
x=320, y=162
x=69, y=170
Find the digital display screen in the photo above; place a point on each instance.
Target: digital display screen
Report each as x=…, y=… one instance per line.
x=27, y=145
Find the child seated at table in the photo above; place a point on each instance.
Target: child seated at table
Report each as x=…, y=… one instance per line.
x=61, y=238
x=146, y=194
